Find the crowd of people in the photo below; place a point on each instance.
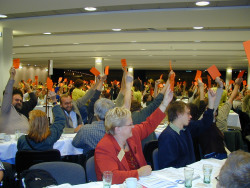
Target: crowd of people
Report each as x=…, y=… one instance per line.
x=116, y=120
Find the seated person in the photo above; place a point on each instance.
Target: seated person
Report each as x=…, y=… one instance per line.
x=236, y=171
x=1, y=171
x=14, y=111
x=40, y=135
x=90, y=134
x=120, y=150
x=175, y=142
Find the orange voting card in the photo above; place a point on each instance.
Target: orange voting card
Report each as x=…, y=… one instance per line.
x=92, y=81
x=16, y=63
x=29, y=80
x=70, y=82
x=170, y=65
x=214, y=72
x=198, y=75
x=172, y=81
x=161, y=76
x=107, y=70
x=209, y=81
x=124, y=63
x=94, y=71
x=60, y=79
x=49, y=84
x=247, y=50
x=36, y=77
x=240, y=75
x=65, y=80
x=231, y=82
x=244, y=82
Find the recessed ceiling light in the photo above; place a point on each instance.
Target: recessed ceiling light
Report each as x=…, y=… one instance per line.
x=202, y=3
x=3, y=16
x=116, y=29
x=26, y=45
x=133, y=41
x=90, y=8
x=143, y=49
x=76, y=43
x=197, y=41
x=47, y=33
x=28, y=64
x=35, y=65
x=198, y=27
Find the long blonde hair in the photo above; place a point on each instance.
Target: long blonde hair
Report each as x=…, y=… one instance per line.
x=39, y=126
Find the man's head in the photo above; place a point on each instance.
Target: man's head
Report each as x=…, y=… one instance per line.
x=17, y=99
x=102, y=106
x=179, y=110
x=66, y=102
x=236, y=170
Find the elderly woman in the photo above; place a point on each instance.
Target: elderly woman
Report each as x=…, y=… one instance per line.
x=120, y=150
x=41, y=136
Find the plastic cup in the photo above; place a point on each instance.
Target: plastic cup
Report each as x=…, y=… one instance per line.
x=188, y=174
x=107, y=179
x=207, y=171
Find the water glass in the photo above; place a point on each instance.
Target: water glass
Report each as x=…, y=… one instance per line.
x=188, y=174
x=207, y=171
x=107, y=179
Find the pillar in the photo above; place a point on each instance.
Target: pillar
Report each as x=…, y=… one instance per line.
x=99, y=64
x=5, y=58
x=228, y=76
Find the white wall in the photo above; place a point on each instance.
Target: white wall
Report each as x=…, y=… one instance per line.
x=30, y=72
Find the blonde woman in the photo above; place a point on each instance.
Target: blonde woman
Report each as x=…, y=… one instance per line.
x=120, y=150
x=41, y=136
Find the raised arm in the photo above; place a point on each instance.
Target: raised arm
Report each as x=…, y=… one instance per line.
x=235, y=90
x=127, y=97
x=7, y=97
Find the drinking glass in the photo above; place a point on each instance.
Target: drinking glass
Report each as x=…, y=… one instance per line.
x=207, y=171
x=107, y=179
x=188, y=174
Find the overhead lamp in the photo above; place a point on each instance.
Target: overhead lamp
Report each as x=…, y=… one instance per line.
x=3, y=16
x=130, y=69
x=133, y=41
x=20, y=67
x=26, y=45
x=47, y=33
x=229, y=70
x=76, y=43
x=90, y=8
x=116, y=29
x=198, y=27
x=143, y=49
x=202, y=3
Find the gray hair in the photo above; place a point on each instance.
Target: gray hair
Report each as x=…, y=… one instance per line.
x=102, y=106
x=236, y=170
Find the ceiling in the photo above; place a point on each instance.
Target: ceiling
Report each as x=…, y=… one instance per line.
x=153, y=32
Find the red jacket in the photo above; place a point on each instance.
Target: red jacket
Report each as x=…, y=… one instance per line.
x=107, y=150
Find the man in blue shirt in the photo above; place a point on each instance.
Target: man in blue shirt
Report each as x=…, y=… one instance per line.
x=175, y=142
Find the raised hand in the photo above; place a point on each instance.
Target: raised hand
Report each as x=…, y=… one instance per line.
x=12, y=73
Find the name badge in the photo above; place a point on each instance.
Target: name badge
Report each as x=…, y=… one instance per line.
x=121, y=155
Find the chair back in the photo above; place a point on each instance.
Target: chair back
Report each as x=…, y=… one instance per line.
x=27, y=158
x=155, y=159
x=148, y=151
x=63, y=172
x=90, y=169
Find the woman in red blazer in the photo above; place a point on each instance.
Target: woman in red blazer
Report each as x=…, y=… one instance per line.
x=120, y=150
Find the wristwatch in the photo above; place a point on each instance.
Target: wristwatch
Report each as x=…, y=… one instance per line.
x=1, y=166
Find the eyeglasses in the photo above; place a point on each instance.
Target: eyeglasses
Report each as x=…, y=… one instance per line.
x=131, y=124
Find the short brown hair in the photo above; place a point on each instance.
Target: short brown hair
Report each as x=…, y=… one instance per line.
x=78, y=83
x=39, y=126
x=63, y=96
x=174, y=109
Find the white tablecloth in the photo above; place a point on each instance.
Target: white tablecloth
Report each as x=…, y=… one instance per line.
x=64, y=145
x=167, y=177
x=233, y=120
